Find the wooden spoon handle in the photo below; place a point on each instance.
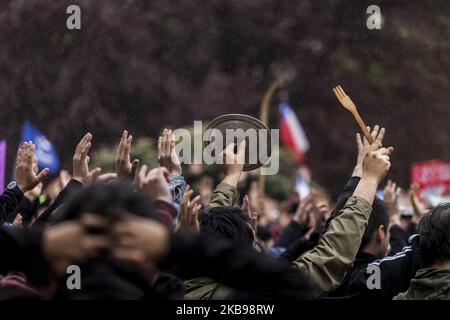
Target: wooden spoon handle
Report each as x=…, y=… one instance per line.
x=363, y=126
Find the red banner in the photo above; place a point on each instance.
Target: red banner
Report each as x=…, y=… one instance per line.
x=431, y=173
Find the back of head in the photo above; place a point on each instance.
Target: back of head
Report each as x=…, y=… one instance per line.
x=378, y=217
x=434, y=229
x=107, y=200
x=229, y=223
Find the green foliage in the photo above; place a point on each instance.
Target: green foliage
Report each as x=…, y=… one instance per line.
x=278, y=186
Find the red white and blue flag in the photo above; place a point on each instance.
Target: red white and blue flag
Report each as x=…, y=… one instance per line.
x=291, y=131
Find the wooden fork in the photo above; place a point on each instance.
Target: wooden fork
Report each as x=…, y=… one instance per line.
x=348, y=104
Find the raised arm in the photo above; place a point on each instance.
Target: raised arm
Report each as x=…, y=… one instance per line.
x=225, y=193
x=27, y=177
x=329, y=261
x=126, y=169
x=168, y=158
x=363, y=147
x=80, y=175
x=154, y=184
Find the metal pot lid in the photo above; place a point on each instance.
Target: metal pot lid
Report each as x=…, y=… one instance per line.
x=249, y=126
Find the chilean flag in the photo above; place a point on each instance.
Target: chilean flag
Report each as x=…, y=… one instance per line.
x=291, y=131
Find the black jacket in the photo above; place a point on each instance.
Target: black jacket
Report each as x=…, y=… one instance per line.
x=62, y=198
x=399, y=238
x=27, y=209
x=290, y=234
x=300, y=246
x=355, y=278
x=9, y=201
x=395, y=273
x=20, y=250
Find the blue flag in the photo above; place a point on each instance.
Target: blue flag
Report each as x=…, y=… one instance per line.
x=45, y=151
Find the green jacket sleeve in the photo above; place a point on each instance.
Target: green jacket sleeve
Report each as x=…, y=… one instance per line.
x=327, y=263
x=223, y=195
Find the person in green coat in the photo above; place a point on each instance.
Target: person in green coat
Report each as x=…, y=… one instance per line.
x=432, y=282
x=327, y=263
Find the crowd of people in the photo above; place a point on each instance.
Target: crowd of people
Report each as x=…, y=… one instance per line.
x=140, y=232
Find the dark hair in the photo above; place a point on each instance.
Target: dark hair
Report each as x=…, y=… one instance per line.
x=434, y=229
x=378, y=217
x=227, y=222
x=264, y=233
x=106, y=277
x=108, y=200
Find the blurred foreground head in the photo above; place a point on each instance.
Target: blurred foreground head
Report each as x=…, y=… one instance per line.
x=228, y=223
x=108, y=200
x=104, y=276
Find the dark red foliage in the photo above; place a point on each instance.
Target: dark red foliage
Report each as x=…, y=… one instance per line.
x=144, y=64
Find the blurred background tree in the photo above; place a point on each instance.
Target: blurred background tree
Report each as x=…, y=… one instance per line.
x=141, y=65
x=142, y=148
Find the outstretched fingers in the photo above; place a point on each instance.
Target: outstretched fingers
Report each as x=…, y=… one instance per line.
x=83, y=146
x=134, y=167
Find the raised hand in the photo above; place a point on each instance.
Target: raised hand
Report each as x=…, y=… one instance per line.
x=27, y=177
x=250, y=211
x=167, y=156
x=124, y=167
x=364, y=147
x=301, y=214
x=233, y=163
x=155, y=183
x=417, y=202
x=376, y=164
x=80, y=161
x=391, y=197
x=205, y=189
x=188, y=219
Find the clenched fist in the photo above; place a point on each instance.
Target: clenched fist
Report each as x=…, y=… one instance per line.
x=376, y=163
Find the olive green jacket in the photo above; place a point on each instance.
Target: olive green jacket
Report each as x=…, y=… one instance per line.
x=205, y=288
x=428, y=284
x=224, y=195
x=327, y=263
